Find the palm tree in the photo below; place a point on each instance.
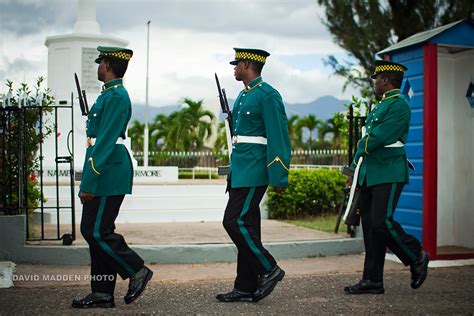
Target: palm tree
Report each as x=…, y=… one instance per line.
x=311, y=123
x=178, y=132
x=158, y=132
x=324, y=128
x=331, y=126
x=220, y=144
x=135, y=132
x=184, y=130
x=293, y=131
x=340, y=137
x=200, y=121
x=189, y=128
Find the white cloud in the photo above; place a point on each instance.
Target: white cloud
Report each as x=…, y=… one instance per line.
x=23, y=58
x=182, y=63
x=190, y=40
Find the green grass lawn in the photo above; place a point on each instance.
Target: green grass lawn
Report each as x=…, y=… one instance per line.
x=325, y=223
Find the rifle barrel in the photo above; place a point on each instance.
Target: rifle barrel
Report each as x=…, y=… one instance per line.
x=79, y=94
x=86, y=105
x=226, y=104
x=221, y=96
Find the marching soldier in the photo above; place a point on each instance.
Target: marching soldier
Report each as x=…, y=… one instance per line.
x=107, y=176
x=260, y=156
x=382, y=175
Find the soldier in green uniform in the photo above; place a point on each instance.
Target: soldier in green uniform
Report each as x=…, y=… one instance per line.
x=260, y=156
x=107, y=176
x=382, y=175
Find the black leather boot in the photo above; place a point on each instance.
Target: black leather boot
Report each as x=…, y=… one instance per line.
x=267, y=282
x=235, y=296
x=94, y=300
x=419, y=270
x=137, y=286
x=365, y=287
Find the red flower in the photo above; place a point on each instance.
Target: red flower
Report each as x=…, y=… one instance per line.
x=32, y=176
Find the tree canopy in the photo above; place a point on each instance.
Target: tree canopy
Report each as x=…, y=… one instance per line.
x=185, y=130
x=365, y=27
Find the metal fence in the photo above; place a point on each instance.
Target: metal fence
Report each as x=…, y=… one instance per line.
x=207, y=159
x=184, y=159
x=326, y=157
x=22, y=134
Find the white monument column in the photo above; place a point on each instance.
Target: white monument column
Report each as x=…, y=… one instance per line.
x=69, y=54
x=86, y=18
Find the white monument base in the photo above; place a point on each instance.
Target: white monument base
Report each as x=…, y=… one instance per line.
x=149, y=203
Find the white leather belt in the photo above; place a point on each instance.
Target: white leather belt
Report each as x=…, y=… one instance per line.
x=91, y=141
x=249, y=139
x=396, y=144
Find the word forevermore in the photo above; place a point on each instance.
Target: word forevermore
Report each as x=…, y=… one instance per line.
x=141, y=174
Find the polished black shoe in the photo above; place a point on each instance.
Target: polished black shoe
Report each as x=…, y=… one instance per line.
x=267, y=282
x=137, y=285
x=365, y=287
x=235, y=296
x=419, y=270
x=91, y=301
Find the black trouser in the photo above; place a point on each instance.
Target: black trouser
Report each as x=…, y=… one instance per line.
x=109, y=252
x=377, y=205
x=242, y=223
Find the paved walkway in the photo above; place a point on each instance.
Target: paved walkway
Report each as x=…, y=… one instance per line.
x=198, y=233
x=312, y=286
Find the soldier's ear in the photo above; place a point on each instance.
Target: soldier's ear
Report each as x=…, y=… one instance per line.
x=106, y=64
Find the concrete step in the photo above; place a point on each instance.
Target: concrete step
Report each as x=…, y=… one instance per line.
x=149, y=204
x=180, y=243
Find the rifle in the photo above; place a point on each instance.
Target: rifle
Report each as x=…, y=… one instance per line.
x=349, y=209
x=225, y=110
x=82, y=97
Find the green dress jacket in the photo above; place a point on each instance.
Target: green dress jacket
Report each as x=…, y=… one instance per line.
x=259, y=111
x=386, y=124
x=108, y=168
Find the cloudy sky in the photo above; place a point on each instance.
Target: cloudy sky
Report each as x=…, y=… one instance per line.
x=189, y=41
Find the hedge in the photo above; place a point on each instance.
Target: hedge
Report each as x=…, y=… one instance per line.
x=309, y=193
x=197, y=175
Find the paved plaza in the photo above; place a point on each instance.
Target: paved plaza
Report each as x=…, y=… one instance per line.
x=313, y=286
x=194, y=233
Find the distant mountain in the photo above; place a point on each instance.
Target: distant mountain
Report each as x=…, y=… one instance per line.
x=138, y=111
x=323, y=107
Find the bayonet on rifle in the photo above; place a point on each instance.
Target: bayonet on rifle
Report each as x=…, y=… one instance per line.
x=82, y=97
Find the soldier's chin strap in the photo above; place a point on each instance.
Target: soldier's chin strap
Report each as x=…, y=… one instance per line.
x=353, y=187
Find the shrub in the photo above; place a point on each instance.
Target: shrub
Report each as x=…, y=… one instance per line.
x=21, y=113
x=309, y=193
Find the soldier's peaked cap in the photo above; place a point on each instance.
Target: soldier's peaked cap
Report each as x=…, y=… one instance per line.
x=257, y=55
x=114, y=52
x=387, y=66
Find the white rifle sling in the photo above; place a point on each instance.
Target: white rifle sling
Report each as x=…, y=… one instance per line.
x=353, y=187
x=228, y=136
